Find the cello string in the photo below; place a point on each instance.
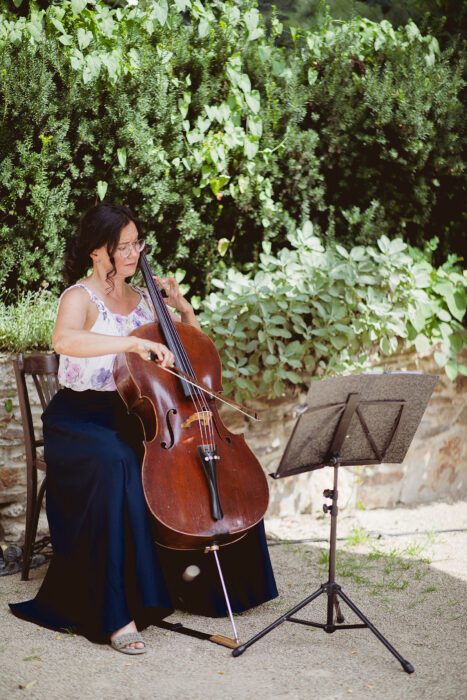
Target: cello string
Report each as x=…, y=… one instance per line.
x=197, y=397
x=175, y=337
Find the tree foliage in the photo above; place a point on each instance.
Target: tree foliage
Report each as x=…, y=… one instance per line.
x=443, y=18
x=219, y=138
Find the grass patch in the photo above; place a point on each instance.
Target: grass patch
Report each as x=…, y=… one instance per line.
x=324, y=557
x=273, y=603
x=378, y=571
x=357, y=536
x=419, y=574
x=413, y=604
x=413, y=550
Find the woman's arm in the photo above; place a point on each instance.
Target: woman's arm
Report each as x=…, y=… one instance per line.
x=70, y=336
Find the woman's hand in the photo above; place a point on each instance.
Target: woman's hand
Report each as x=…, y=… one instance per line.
x=175, y=297
x=147, y=348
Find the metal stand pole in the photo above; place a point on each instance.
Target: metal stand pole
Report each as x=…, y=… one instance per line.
x=332, y=598
x=332, y=590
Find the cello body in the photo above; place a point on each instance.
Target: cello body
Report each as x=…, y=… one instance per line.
x=202, y=483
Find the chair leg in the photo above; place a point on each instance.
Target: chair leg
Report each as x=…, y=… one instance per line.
x=32, y=519
x=31, y=498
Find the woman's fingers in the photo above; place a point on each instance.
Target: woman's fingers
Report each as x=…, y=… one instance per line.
x=171, y=288
x=162, y=353
x=164, y=283
x=175, y=297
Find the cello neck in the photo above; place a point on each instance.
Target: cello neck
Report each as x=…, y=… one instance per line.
x=167, y=326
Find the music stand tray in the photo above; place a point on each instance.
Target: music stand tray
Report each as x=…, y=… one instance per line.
x=365, y=419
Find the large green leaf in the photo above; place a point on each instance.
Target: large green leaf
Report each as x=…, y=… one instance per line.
x=457, y=303
x=78, y=6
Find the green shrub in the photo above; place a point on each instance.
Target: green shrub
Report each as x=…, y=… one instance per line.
x=218, y=138
x=28, y=323
x=442, y=18
x=306, y=311
x=386, y=104
x=134, y=105
x=310, y=310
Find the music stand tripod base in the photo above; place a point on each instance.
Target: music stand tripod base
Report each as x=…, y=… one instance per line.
x=333, y=591
x=365, y=420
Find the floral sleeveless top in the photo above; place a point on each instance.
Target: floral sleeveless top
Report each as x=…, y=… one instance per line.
x=81, y=373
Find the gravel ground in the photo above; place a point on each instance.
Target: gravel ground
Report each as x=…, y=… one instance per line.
x=411, y=586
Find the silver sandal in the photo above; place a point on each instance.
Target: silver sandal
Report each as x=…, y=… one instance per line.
x=120, y=643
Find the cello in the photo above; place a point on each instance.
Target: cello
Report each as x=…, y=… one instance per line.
x=203, y=486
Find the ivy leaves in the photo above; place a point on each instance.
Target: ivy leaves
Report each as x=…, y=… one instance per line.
x=94, y=34
x=229, y=130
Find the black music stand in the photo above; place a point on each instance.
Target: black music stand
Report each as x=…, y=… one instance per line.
x=364, y=419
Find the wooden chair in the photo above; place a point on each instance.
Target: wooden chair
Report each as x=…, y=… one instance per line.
x=43, y=370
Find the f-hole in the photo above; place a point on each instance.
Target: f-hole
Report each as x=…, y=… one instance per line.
x=224, y=438
x=164, y=445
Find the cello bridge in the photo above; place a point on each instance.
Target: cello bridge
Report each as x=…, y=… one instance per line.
x=203, y=416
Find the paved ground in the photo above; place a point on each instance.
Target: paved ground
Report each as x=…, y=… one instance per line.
x=411, y=586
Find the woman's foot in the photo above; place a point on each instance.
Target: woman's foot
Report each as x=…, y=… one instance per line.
x=130, y=628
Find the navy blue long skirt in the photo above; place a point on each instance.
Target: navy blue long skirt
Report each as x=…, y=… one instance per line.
x=106, y=570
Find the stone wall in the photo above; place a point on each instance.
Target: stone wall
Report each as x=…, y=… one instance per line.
x=435, y=466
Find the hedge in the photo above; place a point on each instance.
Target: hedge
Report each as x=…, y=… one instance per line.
x=219, y=138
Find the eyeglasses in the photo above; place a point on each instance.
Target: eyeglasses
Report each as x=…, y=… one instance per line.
x=125, y=250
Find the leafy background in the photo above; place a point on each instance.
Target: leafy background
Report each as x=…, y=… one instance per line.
x=238, y=140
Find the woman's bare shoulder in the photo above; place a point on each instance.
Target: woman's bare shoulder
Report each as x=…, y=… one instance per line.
x=76, y=295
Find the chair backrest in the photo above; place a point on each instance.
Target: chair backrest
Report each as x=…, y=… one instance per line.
x=43, y=369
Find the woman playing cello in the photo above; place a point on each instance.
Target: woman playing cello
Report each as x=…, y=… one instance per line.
x=106, y=577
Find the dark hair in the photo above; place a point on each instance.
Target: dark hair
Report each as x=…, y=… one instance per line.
x=100, y=226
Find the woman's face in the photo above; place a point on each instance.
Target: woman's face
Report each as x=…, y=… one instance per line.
x=126, y=255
